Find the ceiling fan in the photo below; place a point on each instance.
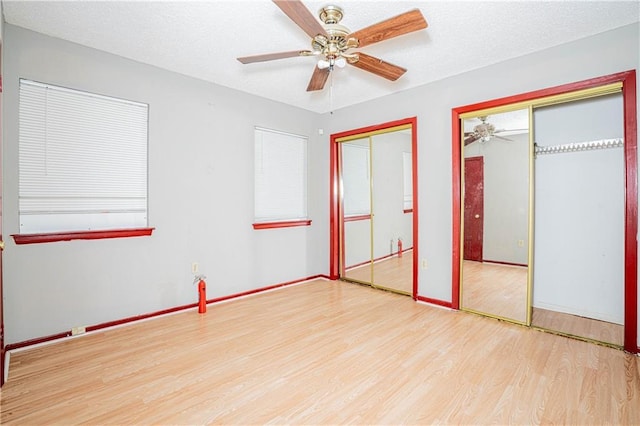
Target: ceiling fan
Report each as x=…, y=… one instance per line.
x=485, y=131
x=332, y=42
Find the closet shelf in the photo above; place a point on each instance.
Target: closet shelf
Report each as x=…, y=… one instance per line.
x=579, y=146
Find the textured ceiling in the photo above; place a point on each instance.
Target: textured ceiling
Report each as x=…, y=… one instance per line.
x=202, y=39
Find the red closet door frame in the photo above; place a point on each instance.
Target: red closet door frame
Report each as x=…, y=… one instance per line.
x=628, y=80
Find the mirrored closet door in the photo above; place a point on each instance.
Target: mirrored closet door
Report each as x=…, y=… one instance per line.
x=546, y=210
x=375, y=173
x=496, y=147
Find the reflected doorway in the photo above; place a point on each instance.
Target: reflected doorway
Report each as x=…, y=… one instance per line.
x=496, y=148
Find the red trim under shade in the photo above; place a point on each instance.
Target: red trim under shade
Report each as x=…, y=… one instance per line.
x=284, y=224
x=628, y=80
x=80, y=235
x=357, y=217
x=499, y=262
x=96, y=327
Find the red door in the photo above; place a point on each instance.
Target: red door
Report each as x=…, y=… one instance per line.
x=473, y=208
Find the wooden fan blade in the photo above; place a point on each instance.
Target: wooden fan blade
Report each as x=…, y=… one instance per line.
x=470, y=139
x=378, y=67
x=298, y=13
x=271, y=56
x=318, y=79
x=393, y=27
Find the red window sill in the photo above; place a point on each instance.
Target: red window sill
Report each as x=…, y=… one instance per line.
x=357, y=217
x=284, y=224
x=80, y=235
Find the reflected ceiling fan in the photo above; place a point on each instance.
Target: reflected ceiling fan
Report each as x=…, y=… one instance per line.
x=332, y=42
x=485, y=131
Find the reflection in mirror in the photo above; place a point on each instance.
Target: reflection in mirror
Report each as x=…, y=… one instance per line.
x=494, y=279
x=356, y=189
x=393, y=211
x=377, y=200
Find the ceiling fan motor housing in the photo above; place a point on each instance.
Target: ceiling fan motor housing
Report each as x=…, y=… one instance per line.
x=337, y=44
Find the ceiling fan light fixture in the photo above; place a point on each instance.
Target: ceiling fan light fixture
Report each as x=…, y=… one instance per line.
x=323, y=64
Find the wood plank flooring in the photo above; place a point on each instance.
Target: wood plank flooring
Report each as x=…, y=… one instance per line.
x=501, y=290
x=495, y=289
x=322, y=352
x=575, y=325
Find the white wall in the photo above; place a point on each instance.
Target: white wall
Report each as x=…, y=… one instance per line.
x=603, y=54
x=200, y=198
x=201, y=137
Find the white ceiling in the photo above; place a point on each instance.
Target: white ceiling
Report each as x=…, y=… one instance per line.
x=202, y=39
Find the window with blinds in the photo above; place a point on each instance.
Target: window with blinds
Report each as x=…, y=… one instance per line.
x=407, y=180
x=280, y=176
x=356, y=179
x=82, y=161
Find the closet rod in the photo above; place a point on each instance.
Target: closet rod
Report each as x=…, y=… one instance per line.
x=579, y=146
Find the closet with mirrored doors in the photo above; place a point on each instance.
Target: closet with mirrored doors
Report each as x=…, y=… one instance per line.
x=375, y=208
x=547, y=211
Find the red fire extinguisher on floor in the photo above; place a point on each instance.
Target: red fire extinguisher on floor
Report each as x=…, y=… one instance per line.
x=202, y=294
x=399, y=247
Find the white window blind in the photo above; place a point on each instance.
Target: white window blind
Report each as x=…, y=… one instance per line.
x=82, y=160
x=280, y=176
x=356, y=179
x=407, y=179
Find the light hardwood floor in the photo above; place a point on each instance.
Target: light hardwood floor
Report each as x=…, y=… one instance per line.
x=322, y=353
x=501, y=290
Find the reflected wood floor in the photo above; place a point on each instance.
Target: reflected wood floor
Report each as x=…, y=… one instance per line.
x=602, y=331
x=322, y=352
x=394, y=273
x=495, y=289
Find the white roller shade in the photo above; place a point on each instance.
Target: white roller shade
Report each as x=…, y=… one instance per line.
x=407, y=180
x=82, y=160
x=356, y=179
x=280, y=176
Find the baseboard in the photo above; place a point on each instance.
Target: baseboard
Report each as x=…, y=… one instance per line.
x=119, y=322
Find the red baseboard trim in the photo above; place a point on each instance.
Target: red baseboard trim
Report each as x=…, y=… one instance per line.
x=263, y=289
x=498, y=262
x=434, y=301
x=36, y=341
x=139, y=317
x=46, y=339
x=366, y=262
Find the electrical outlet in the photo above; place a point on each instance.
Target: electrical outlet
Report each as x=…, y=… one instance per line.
x=78, y=330
x=195, y=268
x=423, y=264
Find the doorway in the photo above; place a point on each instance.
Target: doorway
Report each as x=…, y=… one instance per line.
x=373, y=214
x=578, y=288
